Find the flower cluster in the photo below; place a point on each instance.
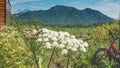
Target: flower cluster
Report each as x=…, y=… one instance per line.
x=62, y=40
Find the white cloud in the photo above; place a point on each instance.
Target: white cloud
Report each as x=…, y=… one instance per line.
x=108, y=7
x=13, y=2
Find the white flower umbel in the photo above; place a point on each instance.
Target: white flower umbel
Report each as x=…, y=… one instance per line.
x=39, y=39
x=56, y=34
x=54, y=39
x=55, y=44
x=81, y=41
x=61, y=40
x=35, y=31
x=66, y=34
x=47, y=45
x=83, y=49
x=74, y=49
x=61, y=45
x=64, y=51
x=45, y=39
x=85, y=44
x=72, y=36
x=45, y=35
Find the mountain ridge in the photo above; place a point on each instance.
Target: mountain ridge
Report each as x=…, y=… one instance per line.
x=60, y=14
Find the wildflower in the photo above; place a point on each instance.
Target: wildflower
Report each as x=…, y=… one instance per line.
x=70, y=43
x=66, y=33
x=64, y=51
x=76, y=46
x=45, y=35
x=55, y=44
x=56, y=34
x=54, y=39
x=69, y=47
x=39, y=39
x=39, y=35
x=45, y=39
x=44, y=30
x=80, y=41
x=72, y=36
x=83, y=49
x=74, y=49
x=61, y=37
x=48, y=45
x=61, y=46
x=35, y=31
x=63, y=42
x=50, y=36
x=85, y=44
x=81, y=45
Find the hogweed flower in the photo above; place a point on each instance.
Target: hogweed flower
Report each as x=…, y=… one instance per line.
x=47, y=45
x=60, y=40
x=35, y=31
x=61, y=46
x=45, y=39
x=54, y=39
x=83, y=49
x=64, y=51
x=74, y=49
x=39, y=39
x=85, y=44
x=55, y=44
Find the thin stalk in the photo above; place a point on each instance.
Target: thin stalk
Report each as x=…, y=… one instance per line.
x=33, y=52
x=51, y=57
x=36, y=61
x=68, y=60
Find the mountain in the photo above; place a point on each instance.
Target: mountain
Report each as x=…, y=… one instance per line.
x=22, y=11
x=60, y=14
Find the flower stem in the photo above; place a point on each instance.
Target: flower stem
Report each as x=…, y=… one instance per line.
x=51, y=57
x=68, y=60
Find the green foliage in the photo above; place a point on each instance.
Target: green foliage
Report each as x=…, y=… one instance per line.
x=13, y=52
x=101, y=32
x=17, y=51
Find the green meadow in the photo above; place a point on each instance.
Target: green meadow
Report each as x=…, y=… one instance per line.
x=19, y=51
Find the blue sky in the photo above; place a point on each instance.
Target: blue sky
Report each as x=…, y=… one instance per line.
x=108, y=7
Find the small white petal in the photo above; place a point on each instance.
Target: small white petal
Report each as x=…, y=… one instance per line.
x=45, y=39
x=76, y=46
x=35, y=31
x=39, y=39
x=48, y=45
x=61, y=46
x=45, y=35
x=74, y=49
x=56, y=34
x=66, y=33
x=63, y=41
x=72, y=36
x=55, y=44
x=64, y=51
x=85, y=44
x=83, y=49
x=54, y=39
x=69, y=47
x=80, y=41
